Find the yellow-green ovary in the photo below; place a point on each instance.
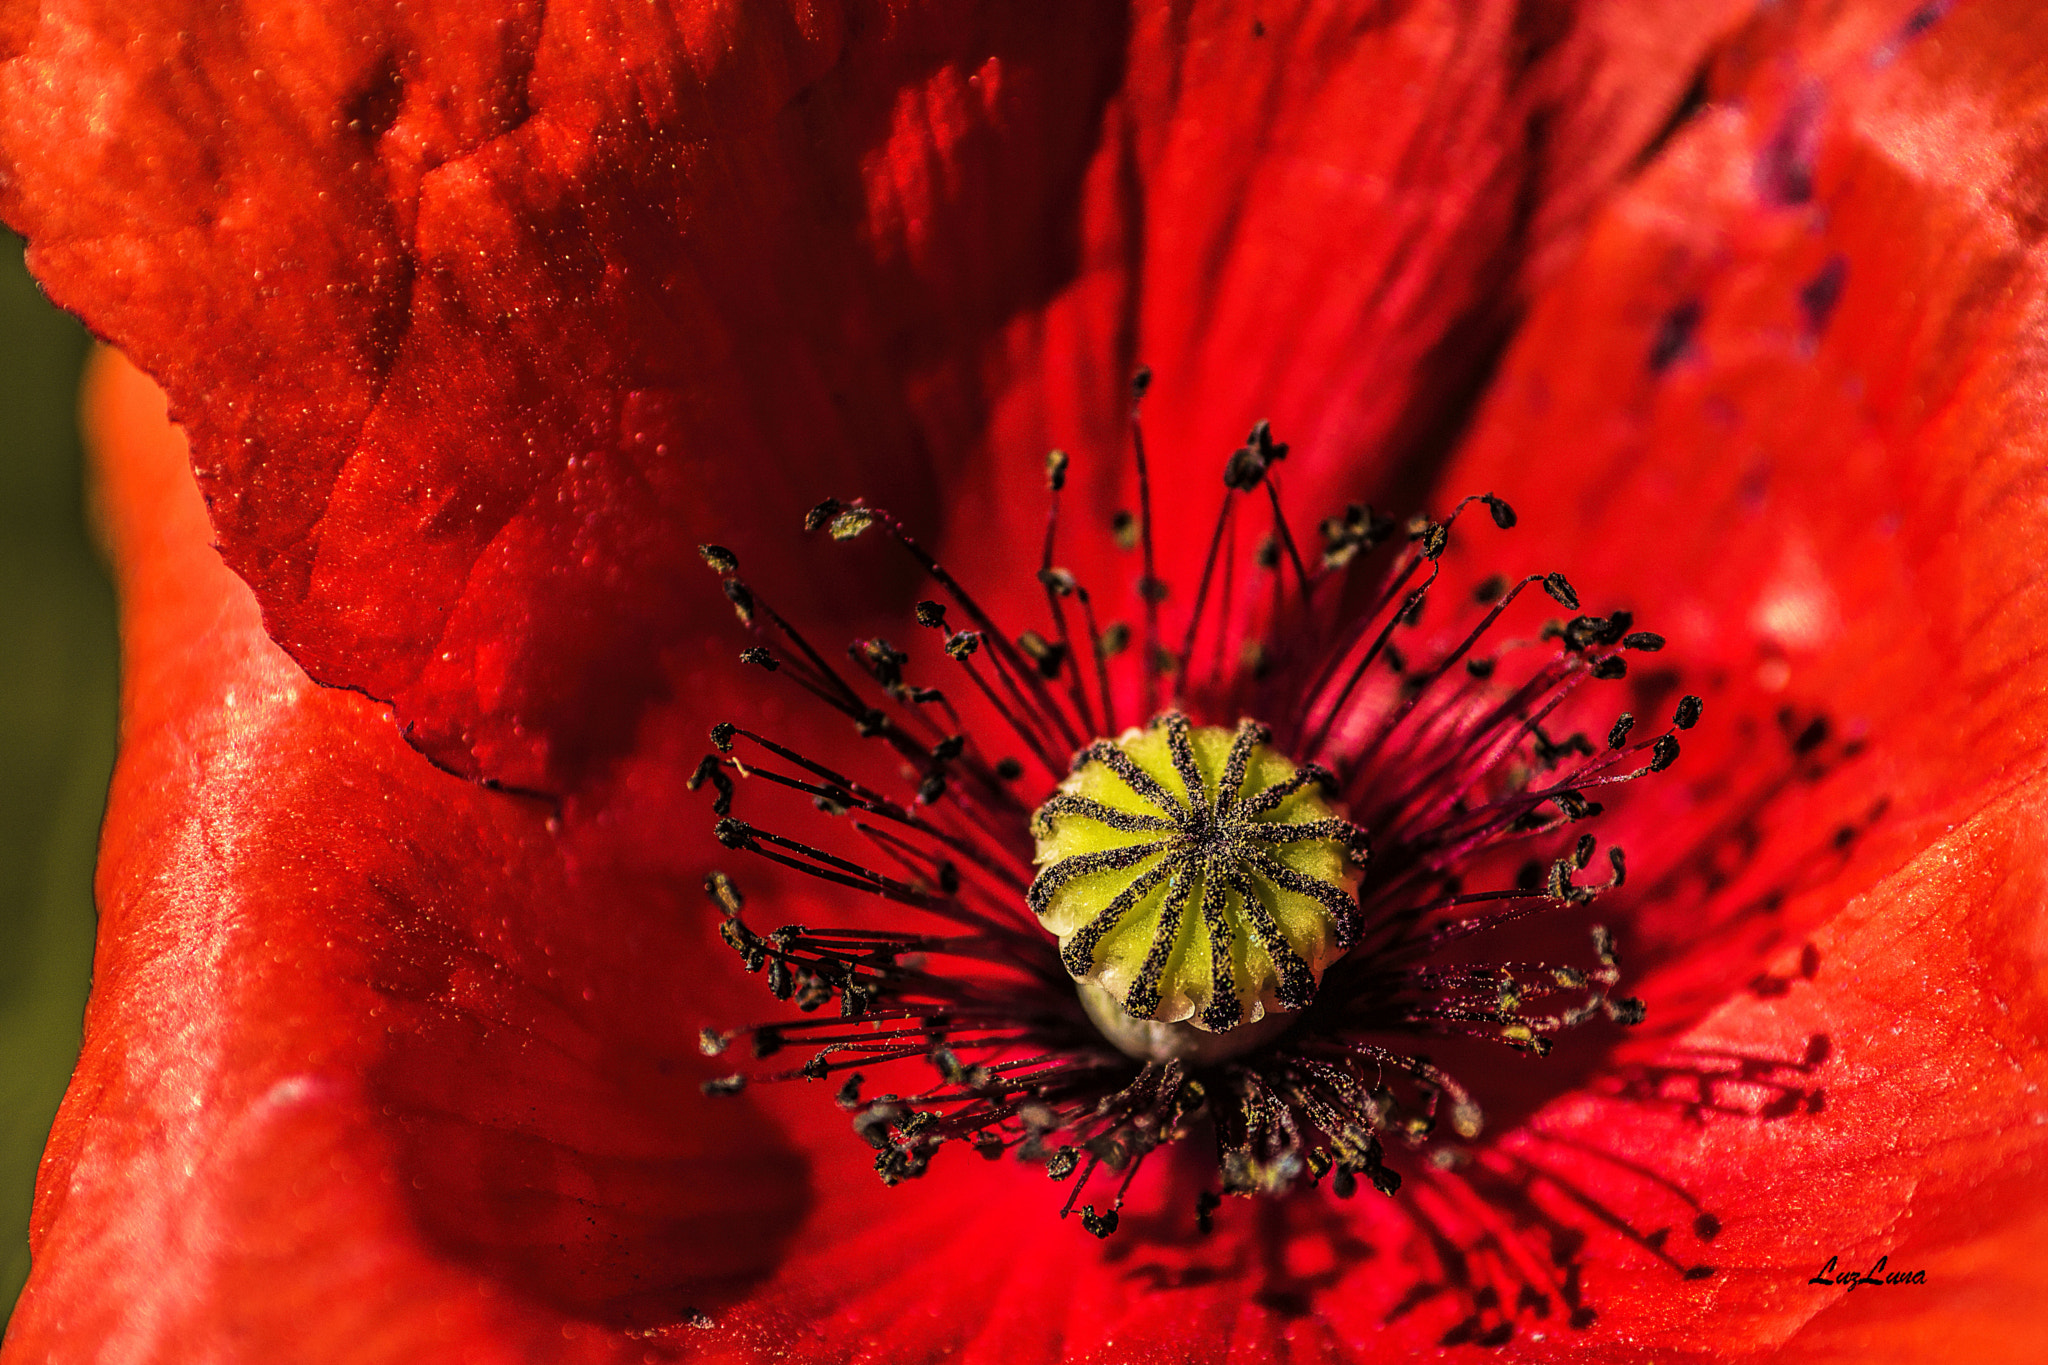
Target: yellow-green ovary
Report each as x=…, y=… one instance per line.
x=1275, y=887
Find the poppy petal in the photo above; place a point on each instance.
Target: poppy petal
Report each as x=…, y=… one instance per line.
x=1762, y=420
x=480, y=323
x=369, y=1061
x=1325, y=215
x=1911, y=1035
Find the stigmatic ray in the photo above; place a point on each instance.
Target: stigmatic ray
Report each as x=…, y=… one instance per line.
x=1236, y=924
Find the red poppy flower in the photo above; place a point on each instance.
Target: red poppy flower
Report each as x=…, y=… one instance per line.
x=477, y=323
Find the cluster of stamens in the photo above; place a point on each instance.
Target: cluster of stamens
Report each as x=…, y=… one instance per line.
x=1175, y=933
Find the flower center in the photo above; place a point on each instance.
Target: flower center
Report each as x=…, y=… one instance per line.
x=1202, y=887
x=1198, y=882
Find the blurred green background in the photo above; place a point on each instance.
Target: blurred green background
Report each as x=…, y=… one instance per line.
x=57, y=661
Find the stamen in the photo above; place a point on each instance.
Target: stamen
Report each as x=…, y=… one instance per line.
x=1184, y=660
x=1059, y=584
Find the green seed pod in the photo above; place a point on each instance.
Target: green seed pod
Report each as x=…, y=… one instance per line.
x=1196, y=876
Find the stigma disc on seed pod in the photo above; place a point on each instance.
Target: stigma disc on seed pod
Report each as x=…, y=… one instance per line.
x=1199, y=882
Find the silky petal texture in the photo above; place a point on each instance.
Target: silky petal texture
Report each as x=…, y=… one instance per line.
x=479, y=325
x=1782, y=487
x=369, y=1065
x=1803, y=434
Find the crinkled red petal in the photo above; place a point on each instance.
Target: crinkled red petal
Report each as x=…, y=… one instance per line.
x=1328, y=216
x=480, y=322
